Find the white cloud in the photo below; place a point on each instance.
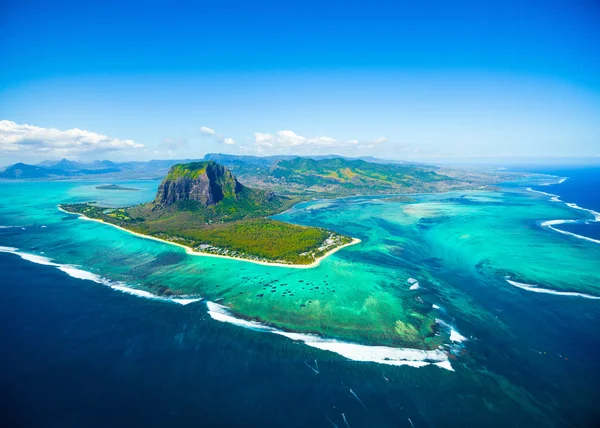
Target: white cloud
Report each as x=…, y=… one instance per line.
x=290, y=138
x=32, y=140
x=323, y=141
x=264, y=140
x=287, y=140
x=207, y=130
x=212, y=133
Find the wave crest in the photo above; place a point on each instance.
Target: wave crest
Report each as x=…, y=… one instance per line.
x=75, y=272
x=550, y=223
x=536, y=289
x=352, y=351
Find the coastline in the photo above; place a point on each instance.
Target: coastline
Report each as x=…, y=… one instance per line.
x=191, y=252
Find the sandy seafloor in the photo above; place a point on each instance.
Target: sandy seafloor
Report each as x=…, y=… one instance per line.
x=511, y=300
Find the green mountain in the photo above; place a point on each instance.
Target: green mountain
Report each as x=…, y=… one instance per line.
x=324, y=177
x=303, y=177
x=211, y=193
x=355, y=176
x=204, y=182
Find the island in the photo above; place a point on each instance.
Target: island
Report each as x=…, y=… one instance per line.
x=114, y=187
x=204, y=208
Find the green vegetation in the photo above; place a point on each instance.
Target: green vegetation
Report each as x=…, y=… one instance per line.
x=258, y=239
x=264, y=239
x=355, y=176
x=248, y=203
x=191, y=170
x=334, y=177
x=201, y=205
x=399, y=198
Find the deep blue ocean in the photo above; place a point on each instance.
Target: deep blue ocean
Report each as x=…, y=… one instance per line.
x=76, y=354
x=582, y=188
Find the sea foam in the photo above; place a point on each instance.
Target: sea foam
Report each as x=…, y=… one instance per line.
x=536, y=289
x=352, y=351
x=455, y=336
x=550, y=223
x=75, y=272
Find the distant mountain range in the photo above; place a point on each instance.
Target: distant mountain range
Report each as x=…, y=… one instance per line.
x=333, y=176
x=226, y=159
x=65, y=168
x=25, y=171
x=68, y=165
x=325, y=176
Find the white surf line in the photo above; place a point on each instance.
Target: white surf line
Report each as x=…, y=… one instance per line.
x=352, y=351
x=75, y=272
x=536, y=289
x=550, y=223
x=455, y=336
x=192, y=252
x=553, y=197
x=560, y=181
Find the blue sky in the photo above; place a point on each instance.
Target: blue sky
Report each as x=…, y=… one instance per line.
x=404, y=80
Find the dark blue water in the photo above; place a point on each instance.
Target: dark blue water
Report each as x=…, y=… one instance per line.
x=77, y=354
x=581, y=188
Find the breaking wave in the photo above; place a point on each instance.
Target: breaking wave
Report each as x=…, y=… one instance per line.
x=75, y=272
x=536, y=289
x=551, y=223
x=352, y=351
x=455, y=336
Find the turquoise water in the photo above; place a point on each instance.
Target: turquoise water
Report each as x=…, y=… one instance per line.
x=512, y=351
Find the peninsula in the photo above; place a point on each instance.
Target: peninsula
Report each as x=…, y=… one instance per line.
x=203, y=207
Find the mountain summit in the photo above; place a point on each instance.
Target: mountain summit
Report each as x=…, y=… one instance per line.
x=205, y=182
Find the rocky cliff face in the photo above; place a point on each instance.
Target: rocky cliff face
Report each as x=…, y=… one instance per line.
x=204, y=182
